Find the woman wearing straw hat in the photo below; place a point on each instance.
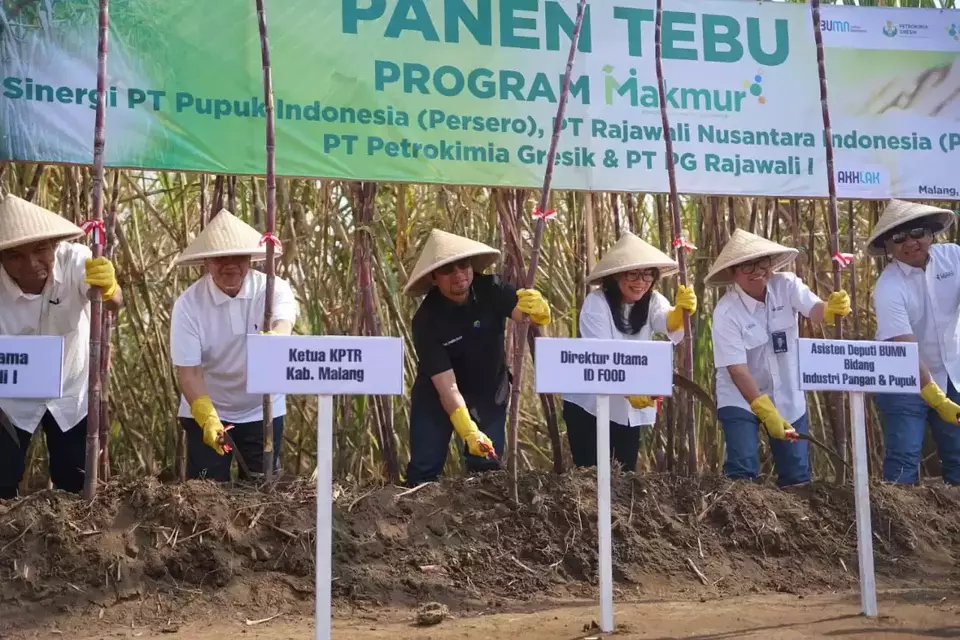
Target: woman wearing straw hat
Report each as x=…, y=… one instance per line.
x=755, y=338
x=916, y=299
x=458, y=333
x=625, y=307
x=210, y=322
x=44, y=282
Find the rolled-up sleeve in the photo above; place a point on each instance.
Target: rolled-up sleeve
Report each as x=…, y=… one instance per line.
x=185, y=347
x=431, y=355
x=891, y=311
x=285, y=307
x=801, y=297
x=728, y=348
x=659, y=308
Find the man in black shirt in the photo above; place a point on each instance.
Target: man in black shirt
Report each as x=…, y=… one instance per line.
x=458, y=333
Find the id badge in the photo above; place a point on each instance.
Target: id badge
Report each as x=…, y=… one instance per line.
x=779, y=341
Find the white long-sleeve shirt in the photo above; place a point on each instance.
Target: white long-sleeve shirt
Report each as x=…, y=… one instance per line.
x=596, y=321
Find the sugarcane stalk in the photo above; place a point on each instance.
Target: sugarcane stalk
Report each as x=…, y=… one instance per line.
x=840, y=428
x=105, y=344
x=96, y=305
x=271, y=202
x=687, y=353
x=523, y=328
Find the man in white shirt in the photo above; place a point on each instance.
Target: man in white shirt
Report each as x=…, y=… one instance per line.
x=208, y=334
x=916, y=299
x=755, y=338
x=44, y=283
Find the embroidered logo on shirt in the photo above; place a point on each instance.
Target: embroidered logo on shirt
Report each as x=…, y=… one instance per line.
x=780, y=308
x=944, y=276
x=751, y=326
x=55, y=302
x=450, y=342
x=476, y=324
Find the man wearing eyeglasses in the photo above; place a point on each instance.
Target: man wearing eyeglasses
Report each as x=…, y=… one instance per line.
x=755, y=340
x=462, y=381
x=916, y=299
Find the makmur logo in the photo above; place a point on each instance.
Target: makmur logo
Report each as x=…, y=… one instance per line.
x=890, y=29
x=754, y=87
x=620, y=89
x=952, y=32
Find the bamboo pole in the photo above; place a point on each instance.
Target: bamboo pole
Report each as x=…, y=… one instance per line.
x=271, y=198
x=840, y=431
x=687, y=353
x=523, y=328
x=96, y=305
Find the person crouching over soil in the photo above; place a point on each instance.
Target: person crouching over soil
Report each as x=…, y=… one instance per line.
x=916, y=299
x=44, y=282
x=458, y=333
x=625, y=307
x=208, y=334
x=755, y=340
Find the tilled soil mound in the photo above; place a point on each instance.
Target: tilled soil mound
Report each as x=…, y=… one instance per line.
x=460, y=542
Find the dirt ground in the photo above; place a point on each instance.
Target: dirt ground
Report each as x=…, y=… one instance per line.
x=700, y=557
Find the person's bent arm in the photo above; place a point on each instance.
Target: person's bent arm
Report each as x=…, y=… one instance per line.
x=446, y=385
x=925, y=377
x=743, y=380
x=191, y=383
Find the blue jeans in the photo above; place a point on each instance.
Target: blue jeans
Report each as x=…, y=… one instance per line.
x=741, y=432
x=905, y=418
x=430, y=433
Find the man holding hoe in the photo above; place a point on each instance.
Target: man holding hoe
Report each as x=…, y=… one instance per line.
x=755, y=339
x=208, y=347
x=44, y=284
x=458, y=333
x=917, y=299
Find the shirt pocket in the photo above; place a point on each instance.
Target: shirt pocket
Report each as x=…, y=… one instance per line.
x=63, y=319
x=754, y=338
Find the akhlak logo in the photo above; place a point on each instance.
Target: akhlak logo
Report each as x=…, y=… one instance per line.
x=890, y=30
x=952, y=31
x=755, y=87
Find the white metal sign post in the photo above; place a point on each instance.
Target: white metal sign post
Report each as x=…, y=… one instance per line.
x=31, y=367
x=858, y=367
x=324, y=366
x=604, y=368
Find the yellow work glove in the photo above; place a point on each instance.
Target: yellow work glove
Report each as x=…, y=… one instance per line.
x=641, y=402
x=947, y=409
x=100, y=273
x=206, y=416
x=838, y=304
x=531, y=302
x=686, y=301
x=478, y=443
x=773, y=422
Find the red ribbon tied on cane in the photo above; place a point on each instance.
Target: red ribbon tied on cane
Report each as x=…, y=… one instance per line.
x=272, y=239
x=546, y=215
x=95, y=229
x=843, y=259
x=683, y=243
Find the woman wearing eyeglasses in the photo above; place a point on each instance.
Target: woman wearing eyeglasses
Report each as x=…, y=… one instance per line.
x=625, y=307
x=916, y=299
x=755, y=339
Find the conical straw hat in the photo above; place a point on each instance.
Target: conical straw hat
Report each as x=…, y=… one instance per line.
x=225, y=235
x=443, y=248
x=629, y=253
x=899, y=212
x=744, y=247
x=23, y=222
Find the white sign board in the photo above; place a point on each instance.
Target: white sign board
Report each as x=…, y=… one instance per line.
x=324, y=365
x=31, y=367
x=859, y=366
x=604, y=367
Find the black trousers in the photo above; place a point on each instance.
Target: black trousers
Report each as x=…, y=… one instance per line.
x=204, y=462
x=67, y=456
x=582, y=436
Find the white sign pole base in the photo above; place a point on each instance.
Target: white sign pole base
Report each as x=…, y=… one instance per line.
x=861, y=483
x=603, y=514
x=324, y=514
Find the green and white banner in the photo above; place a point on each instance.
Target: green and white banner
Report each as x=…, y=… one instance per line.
x=465, y=92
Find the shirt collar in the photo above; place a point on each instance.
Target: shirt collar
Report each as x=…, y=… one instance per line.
x=908, y=270
x=749, y=301
x=219, y=297
x=12, y=289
